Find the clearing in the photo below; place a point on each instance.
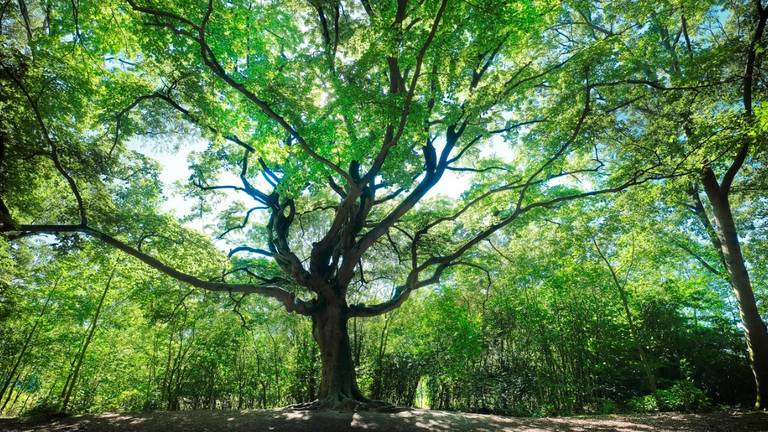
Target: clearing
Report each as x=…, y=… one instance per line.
x=405, y=420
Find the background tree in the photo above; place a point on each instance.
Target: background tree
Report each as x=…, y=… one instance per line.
x=703, y=104
x=548, y=336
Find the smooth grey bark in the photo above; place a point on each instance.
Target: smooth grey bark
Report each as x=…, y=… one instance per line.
x=754, y=328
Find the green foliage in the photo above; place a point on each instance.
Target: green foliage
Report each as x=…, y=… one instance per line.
x=682, y=396
x=550, y=306
x=548, y=336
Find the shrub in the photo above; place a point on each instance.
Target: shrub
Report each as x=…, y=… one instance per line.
x=43, y=411
x=643, y=404
x=681, y=396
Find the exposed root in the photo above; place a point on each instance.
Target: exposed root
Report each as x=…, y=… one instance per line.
x=304, y=406
x=346, y=404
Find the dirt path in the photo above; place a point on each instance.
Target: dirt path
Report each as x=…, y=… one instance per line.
x=406, y=420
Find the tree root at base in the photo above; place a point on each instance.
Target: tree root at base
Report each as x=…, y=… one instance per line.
x=343, y=403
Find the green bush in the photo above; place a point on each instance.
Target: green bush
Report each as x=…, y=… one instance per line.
x=42, y=411
x=605, y=406
x=643, y=404
x=682, y=396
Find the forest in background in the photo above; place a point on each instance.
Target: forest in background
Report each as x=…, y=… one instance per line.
x=548, y=335
x=611, y=257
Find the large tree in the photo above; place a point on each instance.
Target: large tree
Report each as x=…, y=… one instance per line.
x=347, y=113
x=718, y=193
x=709, y=57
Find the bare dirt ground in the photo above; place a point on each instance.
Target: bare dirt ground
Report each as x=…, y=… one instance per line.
x=405, y=420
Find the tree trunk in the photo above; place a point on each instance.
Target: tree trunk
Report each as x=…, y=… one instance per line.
x=650, y=375
x=27, y=340
x=67, y=392
x=338, y=386
x=754, y=328
x=11, y=391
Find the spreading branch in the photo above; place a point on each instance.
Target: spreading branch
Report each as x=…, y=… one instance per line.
x=270, y=288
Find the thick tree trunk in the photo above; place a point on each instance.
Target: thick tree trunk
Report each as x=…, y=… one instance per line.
x=754, y=328
x=338, y=386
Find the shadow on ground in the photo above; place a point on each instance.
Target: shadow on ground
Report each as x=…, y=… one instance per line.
x=287, y=420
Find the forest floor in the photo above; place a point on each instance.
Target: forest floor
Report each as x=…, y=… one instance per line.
x=404, y=420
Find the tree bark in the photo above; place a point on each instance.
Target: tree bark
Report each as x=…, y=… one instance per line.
x=338, y=386
x=754, y=328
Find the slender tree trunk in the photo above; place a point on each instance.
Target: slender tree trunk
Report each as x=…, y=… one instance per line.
x=338, y=385
x=27, y=340
x=13, y=378
x=377, y=389
x=11, y=390
x=24, y=405
x=16, y=399
x=650, y=375
x=312, y=384
x=241, y=378
x=754, y=327
x=151, y=371
x=166, y=389
x=68, y=390
x=212, y=397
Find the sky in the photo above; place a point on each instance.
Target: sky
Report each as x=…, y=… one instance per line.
x=175, y=168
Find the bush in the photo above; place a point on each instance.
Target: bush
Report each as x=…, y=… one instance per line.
x=643, y=404
x=601, y=406
x=43, y=411
x=681, y=396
